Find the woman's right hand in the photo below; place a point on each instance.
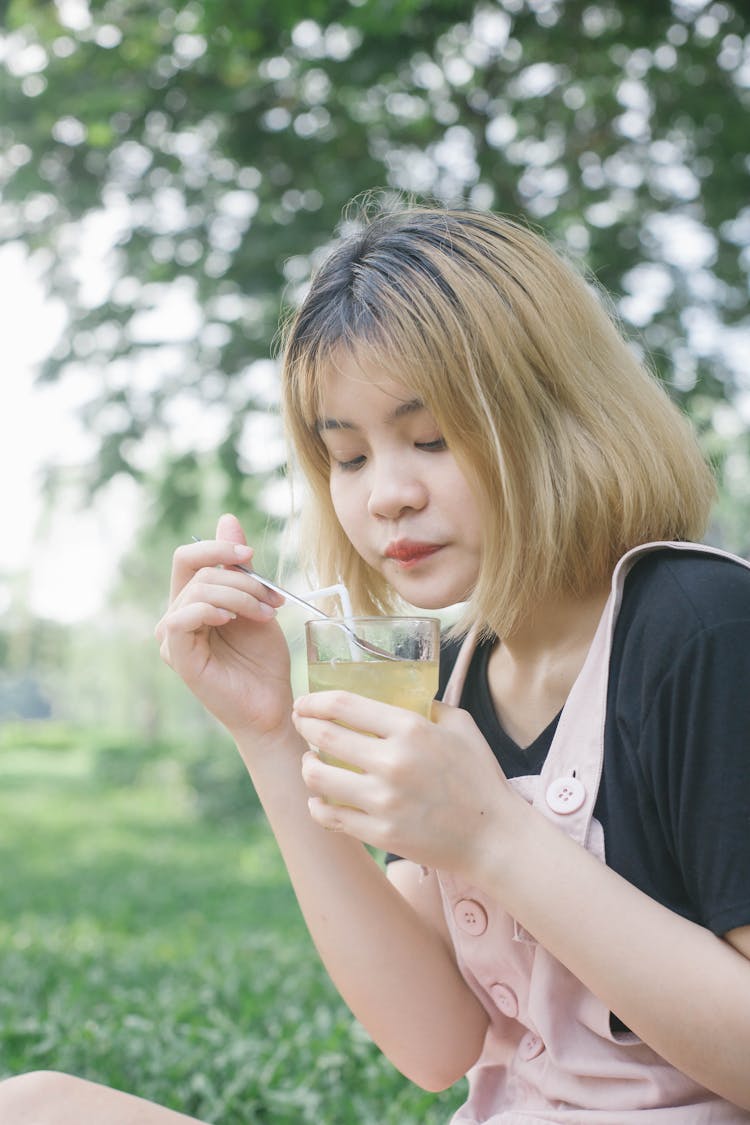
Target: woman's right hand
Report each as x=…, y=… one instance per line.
x=220, y=635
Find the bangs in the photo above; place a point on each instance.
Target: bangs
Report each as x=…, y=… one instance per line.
x=382, y=325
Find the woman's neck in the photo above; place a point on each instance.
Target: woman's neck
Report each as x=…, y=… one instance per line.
x=530, y=673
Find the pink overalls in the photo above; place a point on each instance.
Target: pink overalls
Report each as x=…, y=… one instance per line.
x=549, y=1054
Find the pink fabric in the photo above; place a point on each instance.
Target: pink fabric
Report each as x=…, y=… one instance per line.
x=549, y=1055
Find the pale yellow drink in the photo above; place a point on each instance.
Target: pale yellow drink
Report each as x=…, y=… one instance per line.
x=404, y=683
x=410, y=680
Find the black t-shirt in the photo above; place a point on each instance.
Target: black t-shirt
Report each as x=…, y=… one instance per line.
x=674, y=799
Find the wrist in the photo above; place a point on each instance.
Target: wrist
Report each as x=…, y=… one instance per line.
x=282, y=742
x=493, y=860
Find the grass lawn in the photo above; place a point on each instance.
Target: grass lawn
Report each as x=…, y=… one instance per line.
x=147, y=948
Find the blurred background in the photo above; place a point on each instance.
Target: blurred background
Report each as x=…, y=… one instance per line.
x=169, y=175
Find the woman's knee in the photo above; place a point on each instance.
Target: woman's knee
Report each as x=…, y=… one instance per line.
x=31, y=1092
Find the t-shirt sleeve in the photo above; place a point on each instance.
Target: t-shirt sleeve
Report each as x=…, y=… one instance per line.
x=700, y=718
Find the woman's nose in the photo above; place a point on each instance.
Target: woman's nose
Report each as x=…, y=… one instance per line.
x=394, y=490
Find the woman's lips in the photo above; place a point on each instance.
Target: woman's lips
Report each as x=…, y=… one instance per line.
x=408, y=553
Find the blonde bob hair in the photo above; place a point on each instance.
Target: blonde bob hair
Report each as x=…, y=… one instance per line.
x=575, y=451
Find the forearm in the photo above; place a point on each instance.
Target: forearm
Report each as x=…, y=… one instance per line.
x=684, y=991
x=391, y=967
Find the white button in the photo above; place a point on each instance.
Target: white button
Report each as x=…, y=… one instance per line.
x=530, y=1046
x=565, y=795
x=471, y=917
x=505, y=999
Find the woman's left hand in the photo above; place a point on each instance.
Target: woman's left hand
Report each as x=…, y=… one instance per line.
x=431, y=792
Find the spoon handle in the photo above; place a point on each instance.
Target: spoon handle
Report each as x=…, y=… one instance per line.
x=280, y=590
x=272, y=586
x=361, y=644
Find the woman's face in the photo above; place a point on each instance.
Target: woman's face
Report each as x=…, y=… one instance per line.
x=398, y=492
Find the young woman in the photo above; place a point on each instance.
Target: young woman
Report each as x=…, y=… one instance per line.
x=566, y=911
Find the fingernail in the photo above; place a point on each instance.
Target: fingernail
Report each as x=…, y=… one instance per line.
x=242, y=551
x=266, y=609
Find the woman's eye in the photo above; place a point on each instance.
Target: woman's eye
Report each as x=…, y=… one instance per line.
x=351, y=465
x=432, y=446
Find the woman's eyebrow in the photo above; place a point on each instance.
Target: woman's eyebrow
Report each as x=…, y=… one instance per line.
x=404, y=408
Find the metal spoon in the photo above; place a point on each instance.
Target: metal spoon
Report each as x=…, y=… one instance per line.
x=360, y=642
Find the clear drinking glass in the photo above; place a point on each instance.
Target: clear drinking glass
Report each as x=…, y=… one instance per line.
x=406, y=674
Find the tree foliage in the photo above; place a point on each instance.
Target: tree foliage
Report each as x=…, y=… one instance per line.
x=210, y=147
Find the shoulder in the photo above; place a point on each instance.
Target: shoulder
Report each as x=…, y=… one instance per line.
x=684, y=619
x=678, y=716
x=685, y=593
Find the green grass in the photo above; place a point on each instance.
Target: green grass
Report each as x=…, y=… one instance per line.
x=146, y=948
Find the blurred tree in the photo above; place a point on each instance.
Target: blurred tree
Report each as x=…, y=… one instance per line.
x=135, y=677
x=32, y=651
x=176, y=168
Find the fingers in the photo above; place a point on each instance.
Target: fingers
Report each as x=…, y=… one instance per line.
x=232, y=590
x=208, y=592
x=363, y=734
x=452, y=718
x=341, y=800
x=421, y=788
x=175, y=632
x=229, y=528
x=351, y=748
x=332, y=781
x=356, y=711
x=190, y=557
x=352, y=771
x=213, y=598
x=343, y=818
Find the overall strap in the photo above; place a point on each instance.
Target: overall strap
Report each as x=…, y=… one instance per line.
x=569, y=781
x=457, y=678
x=572, y=770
